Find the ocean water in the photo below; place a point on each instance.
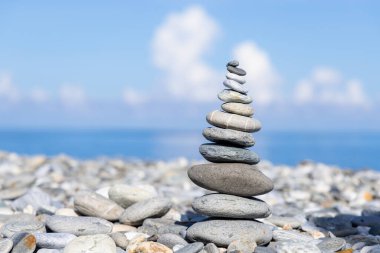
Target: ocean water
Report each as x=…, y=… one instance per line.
x=348, y=150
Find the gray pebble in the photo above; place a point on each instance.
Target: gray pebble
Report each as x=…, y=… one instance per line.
x=281, y=221
x=223, y=232
x=99, y=243
x=233, y=96
x=291, y=235
x=227, y=154
x=223, y=178
x=237, y=78
x=23, y=243
x=242, y=246
x=296, y=247
x=368, y=221
x=236, y=70
x=50, y=251
x=6, y=245
x=13, y=193
x=120, y=250
x=233, y=85
x=15, y=226
x=172, y=229
x=126, y=195
x=233, y=121
x=211, y=248
x=260, y=249
x=191, y=248
x=78, y=225
x=34, y=197
x=53, y=240
x=228, y=136
x=233, y=63
x=150, y=208
x=238, y=108
x=120, y=239
x=170, y=240
x=331, y=244
x=229, y=206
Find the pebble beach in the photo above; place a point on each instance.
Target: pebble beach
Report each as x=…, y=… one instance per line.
x=60, y=204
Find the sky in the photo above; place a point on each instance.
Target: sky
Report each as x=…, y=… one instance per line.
x=311, y=65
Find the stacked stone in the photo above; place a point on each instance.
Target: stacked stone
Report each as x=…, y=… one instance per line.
x=232, y=173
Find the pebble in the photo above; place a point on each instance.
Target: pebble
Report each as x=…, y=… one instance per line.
x=15, y=226
x=211, y=248
x=150, y=247
x=126, y=195
x=150, y=208
x=233, y=121
x=24, y=243
x=6, y=245
x=99, y=243
x=260, y=249
x=191, y=248
x=331, y=244
x=78, y=225
x=223, y=178
x=233, y=85
x=9, y=194
x=224, y=232
x=120, y=239
x=291, y=235
x=238, y=108
x=242, y=246
x=296, y=247
x=228, y=136
x=35, y=198
x=233, y=63
x=237, y=78
x=170, y=240
x=53, y=240
x=236, y=70
x=50, y=251
x=227, y=154
x=93, y=204
x=282, y=221
x=229, y=206
x=233, y=96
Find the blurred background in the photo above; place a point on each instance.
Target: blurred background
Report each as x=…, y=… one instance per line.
x=137, y=78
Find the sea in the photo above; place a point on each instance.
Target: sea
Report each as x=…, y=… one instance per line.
x=349, y=150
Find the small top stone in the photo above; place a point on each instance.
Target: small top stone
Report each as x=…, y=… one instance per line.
x=237, y=71
x=233, y=63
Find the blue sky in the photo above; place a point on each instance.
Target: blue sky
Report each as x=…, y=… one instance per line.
x=310, y=64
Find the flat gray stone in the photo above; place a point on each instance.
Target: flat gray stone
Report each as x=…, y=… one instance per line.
x=34, y=197
x=126, y=195
x=150, y=208
x=233, y=85
x=296, y=247
x=227, y=154
x=228, y=136
x=12, y=193
x=211, y=248
x=120, y=239
x=6, y=245
x=231, y=178
x=233, y=121
x=233, y=96
x=291, y=235
x=368, y=221
x=236, y=70
x=53, y=240
x=78, y=225
x=50, y=251
x=237, y=78
x=93, y=204
x=242, y=246
x=233, y=63
x=170, y=240
x=91, y=244
x=191, y=248
x=281, y=221
x=260, y=249
x=230, y=206
x=331, y=244
x=23, y=243
x=16, y=226
x=238, y=108
x=224, y=232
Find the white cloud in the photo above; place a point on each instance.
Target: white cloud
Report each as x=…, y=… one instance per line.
x=325, y=86
x=133, y=97
x=8, y=91
x=179, y=44
x=72, y=96
x=39, y=95
x=262, y=78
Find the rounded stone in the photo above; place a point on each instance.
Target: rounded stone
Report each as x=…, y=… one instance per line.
x=233, y=63
x=281, y=221
x=78, y=225
x=24, y=243
x=126, y=195
x=233, y=85
x=236, y=70
x=224, y=232
x=226, y=154
x=170, y=240
x=91, y=244
x=233, y=121
x=150, y=247
x=191, y=248
x=53, y=240
x=233, y=96
x=228, y=136
x=238, y=108
x=231, y=178
x=242, y=246
x=150, y=208
x=229, y=206
x=331, y=244
x=6, y=245
x=15, y=226
x=237, y=78
x=93, y=204
x=211, y=248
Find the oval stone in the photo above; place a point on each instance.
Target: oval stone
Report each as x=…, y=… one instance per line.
x=224, y=232
x=233, y=63
x=6, y=245
x=226, y=154
x=228, y=136
x=91, y=244
x=237, y=78
x=53, y=240
x=236, y=70
x=233, y=96
x=24, y=243
x=233, y=121
x=233, y=85
x=150, y=208
x=238, y=108
x=126, y=195
x=229, y=206
x=231, y=178
x=93, y=204
x=15, y=226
